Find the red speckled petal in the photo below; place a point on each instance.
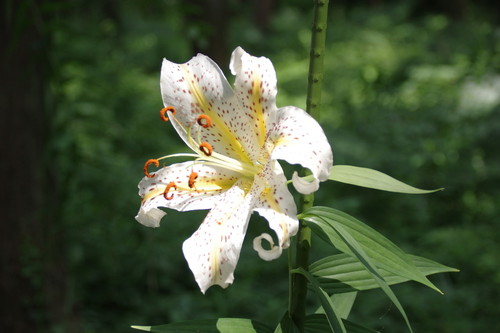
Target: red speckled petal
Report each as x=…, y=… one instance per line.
x=212, y=252
x=255, y=87
x=298, y=139
x=210, y=183
x=199, y=87
x=276, y=205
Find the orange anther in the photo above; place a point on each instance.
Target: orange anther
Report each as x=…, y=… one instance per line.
x=206, y=148
x=192, y=179
x=146, y=166
x=169, y=186
x=204, y=121
x=164, y=111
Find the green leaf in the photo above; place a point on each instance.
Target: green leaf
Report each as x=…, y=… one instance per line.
x=383, y=252
x=286, y=325
x=221, y=325
x=318, y=323
x=341, y=273
x=334, y=320
x=342, y=302
x=370, y=178
x=357, y=250
x=323, y=221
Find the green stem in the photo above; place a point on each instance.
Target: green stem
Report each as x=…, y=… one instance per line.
x=318, y=37
x=298, y=285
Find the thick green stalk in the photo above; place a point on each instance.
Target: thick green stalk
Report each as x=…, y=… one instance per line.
x=318, y=37
x=298, y=288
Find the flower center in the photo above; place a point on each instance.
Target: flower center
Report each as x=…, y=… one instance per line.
x=204, y=152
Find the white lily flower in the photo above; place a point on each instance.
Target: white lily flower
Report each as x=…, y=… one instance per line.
x=236, y=135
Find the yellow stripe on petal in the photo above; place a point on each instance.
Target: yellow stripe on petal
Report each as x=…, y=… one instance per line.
x=153, y=193
x=214, y=263
x=257, y=99
x=273, y=203
x=218, y=123
x=201, y=187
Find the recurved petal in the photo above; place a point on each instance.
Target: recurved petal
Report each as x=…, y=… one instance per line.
x=277, y=206
x=212, y=252
x=255, y=87
x=190, y=186
x=298, y=139
x=303, y=186
x=274, y=252
x=150, y=218
x=199, y=87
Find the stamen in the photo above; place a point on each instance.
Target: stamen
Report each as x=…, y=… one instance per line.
x=204, y=121
x=146, y=166
x=165, y=110
x=192, y=178
x=206, y=148
x=169, y=186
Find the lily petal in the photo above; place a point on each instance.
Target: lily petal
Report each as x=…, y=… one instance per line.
x=212, y=252
x=255, y=86
x=210, y=182
x=277, y=206
x=150, y=218
x=303, y=186
x=273, y=253
x=298, y=139
x=199, y=87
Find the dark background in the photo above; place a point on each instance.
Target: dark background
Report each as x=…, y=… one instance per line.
x=411, y=89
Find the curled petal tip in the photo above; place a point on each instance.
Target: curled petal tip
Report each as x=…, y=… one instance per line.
x=150, y=218
x=268, y=255
x=303, y=186
x=235, y=63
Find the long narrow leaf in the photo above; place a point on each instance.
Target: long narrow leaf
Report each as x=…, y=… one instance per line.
x=342, y=303
x=342, y=273
x=357, y=250
x=221, y=325
x=334, y=320
x=370, y=178
x=384, y=253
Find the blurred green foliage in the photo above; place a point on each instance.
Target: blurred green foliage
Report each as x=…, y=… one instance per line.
x=414, y=96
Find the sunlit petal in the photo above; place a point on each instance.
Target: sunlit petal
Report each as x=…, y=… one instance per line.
x=212, y=252
x=303, y=186
x=151, y=217
x=273, y=253
x=255, y=86
x=277, y=206
x=298, y=139
x=199, y=87
x=210, y=182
